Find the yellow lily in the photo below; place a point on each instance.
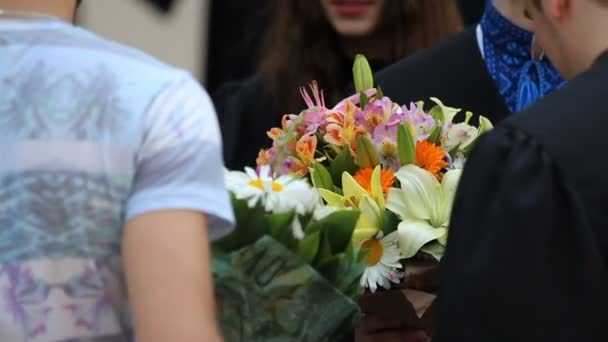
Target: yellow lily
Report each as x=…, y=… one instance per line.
x=371, y=205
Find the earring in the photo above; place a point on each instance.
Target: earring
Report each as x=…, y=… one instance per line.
x=536, y=51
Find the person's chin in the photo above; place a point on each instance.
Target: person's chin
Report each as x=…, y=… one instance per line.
x=353, y=31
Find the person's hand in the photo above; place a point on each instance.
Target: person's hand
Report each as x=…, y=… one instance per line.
x=425, y=278
x=372, y=329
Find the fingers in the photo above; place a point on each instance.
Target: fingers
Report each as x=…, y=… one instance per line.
x=372, y=324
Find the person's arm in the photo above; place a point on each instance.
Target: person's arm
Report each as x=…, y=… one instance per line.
x=179, y=203
x=169, y=277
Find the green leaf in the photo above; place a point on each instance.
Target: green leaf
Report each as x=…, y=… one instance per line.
x=435, y=135
x=279, y=226
x=308, y=247
x=362, y=74
x=351, y=268
x=363, y=99
x=250, y=226
x=344, y=162
x=406, y=145
x=325, y=252
x=379, y=93
x=330, y=267
x=390, y=222
x=367, y=156
x=340, y=227
x=320, y=176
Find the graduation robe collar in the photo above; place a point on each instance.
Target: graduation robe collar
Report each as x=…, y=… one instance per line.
x=521, y=79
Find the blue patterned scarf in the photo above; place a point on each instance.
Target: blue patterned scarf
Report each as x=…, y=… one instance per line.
x=521, y=79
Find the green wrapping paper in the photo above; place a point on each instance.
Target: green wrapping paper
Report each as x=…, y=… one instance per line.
x=267, y=293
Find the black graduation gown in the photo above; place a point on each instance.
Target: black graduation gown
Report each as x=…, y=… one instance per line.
x=528, y=245
x=453, y=71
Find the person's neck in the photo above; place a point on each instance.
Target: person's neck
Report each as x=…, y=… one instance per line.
x=62, y=9
x=514, y=12
x=594, y=47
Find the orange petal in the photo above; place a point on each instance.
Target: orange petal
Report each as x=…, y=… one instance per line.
x=334, y=135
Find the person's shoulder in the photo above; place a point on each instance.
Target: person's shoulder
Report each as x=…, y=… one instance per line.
x=125, y=61
x=453, y=71
x=576, y=111
x=244, y=89
x=569, y=123
x=441, y=56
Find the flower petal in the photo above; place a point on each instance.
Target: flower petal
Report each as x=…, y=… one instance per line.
x=418, y=196
x=434, y=249
x=332, y=198
x=413, y=235
x=361, y=235
x=449, y=185
x=376, y=186
x=352, y=189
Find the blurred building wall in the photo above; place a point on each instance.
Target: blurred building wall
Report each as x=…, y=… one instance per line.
x=177, y=38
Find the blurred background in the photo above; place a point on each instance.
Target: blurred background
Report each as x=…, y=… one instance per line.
x=215, y=39
x=173, y=31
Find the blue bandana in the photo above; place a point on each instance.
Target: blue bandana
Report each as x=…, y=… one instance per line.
x=521, y=80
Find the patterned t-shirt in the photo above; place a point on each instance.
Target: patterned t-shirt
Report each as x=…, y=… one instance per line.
x=92, y=133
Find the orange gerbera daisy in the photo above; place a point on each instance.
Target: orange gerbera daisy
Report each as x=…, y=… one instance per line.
x=430, y=157
x=364, y=178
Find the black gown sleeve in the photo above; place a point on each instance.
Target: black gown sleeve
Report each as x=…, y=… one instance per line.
x=245, y=112
x=229, y=108
x=522, y=263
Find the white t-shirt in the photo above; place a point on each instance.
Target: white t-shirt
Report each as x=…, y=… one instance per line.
x=92, y=133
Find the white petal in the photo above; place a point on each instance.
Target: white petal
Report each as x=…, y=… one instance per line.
x=435, y=249
x=419, y=193
x=251, y=173
x=323, y=211
x=371, y=276
x=449, y=185
x=265, y=172
x=296, y=228
x=396, y=202
x=253, y=201
x=415, y=234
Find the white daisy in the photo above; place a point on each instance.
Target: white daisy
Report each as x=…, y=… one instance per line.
x=282, y=194
x=383, y=260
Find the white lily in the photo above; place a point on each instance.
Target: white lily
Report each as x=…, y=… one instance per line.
x=424, y=205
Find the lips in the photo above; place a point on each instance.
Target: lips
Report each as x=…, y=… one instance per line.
x=352, y=8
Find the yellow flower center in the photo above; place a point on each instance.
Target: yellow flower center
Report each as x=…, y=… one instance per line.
x=257, y=183
x=375, y=250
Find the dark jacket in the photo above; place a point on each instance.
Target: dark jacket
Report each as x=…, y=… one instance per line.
x=453, y=71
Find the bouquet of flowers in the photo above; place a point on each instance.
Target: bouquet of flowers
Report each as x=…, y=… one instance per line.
x=350, y=196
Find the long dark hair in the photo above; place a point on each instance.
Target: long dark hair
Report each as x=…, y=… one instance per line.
x=301, y=45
